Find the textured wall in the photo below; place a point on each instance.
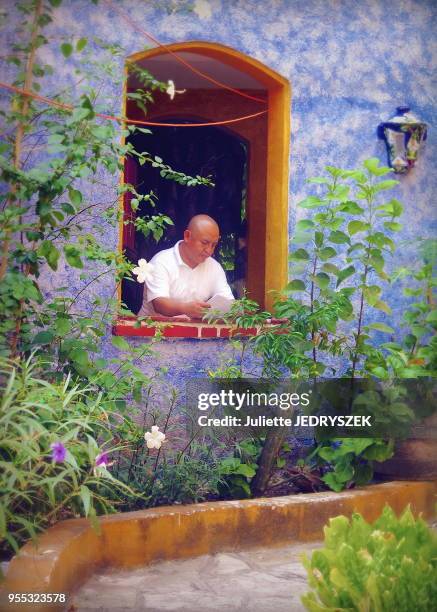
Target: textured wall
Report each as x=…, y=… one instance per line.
x=349, y=63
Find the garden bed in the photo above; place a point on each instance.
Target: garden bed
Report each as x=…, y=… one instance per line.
x=68, y=553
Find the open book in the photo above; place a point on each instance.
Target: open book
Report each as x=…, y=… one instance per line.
x=220, y=303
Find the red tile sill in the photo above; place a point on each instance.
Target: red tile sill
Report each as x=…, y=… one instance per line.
x=171, y=328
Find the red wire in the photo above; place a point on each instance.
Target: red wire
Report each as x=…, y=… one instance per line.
x=69, y=107
x=180, y=59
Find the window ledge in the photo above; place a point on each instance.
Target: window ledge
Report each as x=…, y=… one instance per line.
x=171, y=328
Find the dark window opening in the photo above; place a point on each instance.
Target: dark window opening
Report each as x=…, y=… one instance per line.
x=207, y=151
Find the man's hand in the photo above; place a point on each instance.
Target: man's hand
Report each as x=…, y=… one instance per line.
x=196, y=310
x=170, y=307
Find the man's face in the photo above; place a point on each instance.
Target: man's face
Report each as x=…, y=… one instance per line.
x=201, y=242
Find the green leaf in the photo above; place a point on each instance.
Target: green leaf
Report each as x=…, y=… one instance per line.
x=327, y=253
x=380, y=305
x=120, y=343
x=374, y=168
x=393, y=208
x=363, y=474
x=72, y=255
x=333, y=483
x=382, y=327
x=340, y=192
x=79, y=356
x=351, y=208
x=301, y=237
x=68, y=208
x=344, y=274
x=43, y=337
x=295, y=285
x=62, y=326
x=338, y=237
x=383, y=185
x=393, y=226
x=48, y=250
x=85, y=495
x=359, y=246
x=322, y=280
x=299, y=255
x=75, y=197
x=311, y=202
x=357, y=175
x=81, y=44
x=431, y=317
x=304, y=224
x=380, y=372
x=55, y=3
x=137, y=391
x=371, y=294
x=356, y=226
x=318, y=239
x=331, y=268
x=66, y=49
x=333, y=171
x=397, y=207
x=245, y=470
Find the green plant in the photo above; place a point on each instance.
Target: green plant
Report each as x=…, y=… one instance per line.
x=69, y=150
x=52, y=158
x=56, y=446
x=237, y=472
x=348, y=239
x=325, y=327
x=415, y=354
x=386, y=565
x=349, y=459
x=190, y=481
x=353, y=228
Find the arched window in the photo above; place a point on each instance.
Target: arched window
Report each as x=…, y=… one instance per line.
x=255, y=170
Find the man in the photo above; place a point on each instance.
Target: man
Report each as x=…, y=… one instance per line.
x=186, y=276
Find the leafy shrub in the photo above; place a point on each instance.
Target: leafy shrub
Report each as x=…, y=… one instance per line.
x=381, y=567
x=349, y=459
x=189, y=481
x=238, y=471
x=54, y=452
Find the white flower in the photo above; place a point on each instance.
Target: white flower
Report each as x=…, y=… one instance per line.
x=154, y=438
x=143, y=271
x=171, y=91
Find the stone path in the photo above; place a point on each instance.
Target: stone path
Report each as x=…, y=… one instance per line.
x=267, y=580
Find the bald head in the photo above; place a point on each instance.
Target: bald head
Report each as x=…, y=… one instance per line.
x=200, y=239
x=202, y=222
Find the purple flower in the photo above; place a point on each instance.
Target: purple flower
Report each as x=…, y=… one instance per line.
x=59, y=452
x=102, y=460
x=100, y=464
x=336, y=444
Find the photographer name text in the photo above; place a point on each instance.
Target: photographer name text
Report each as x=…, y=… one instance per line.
x=280, y=421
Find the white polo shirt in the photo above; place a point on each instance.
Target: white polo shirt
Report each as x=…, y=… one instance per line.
x=173, y=278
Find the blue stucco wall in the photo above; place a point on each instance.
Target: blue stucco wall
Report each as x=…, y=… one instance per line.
x=349, y=64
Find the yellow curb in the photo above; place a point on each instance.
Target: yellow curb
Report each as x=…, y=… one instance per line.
x=71, y=551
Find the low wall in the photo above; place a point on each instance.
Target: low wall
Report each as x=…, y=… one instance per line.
x=68, y=553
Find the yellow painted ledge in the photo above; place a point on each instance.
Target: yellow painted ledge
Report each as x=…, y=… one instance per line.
x=71, y=551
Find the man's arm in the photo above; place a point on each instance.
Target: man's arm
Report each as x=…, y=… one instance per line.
x=170, y=307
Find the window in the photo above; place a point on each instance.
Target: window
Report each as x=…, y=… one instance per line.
x=251, y=200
